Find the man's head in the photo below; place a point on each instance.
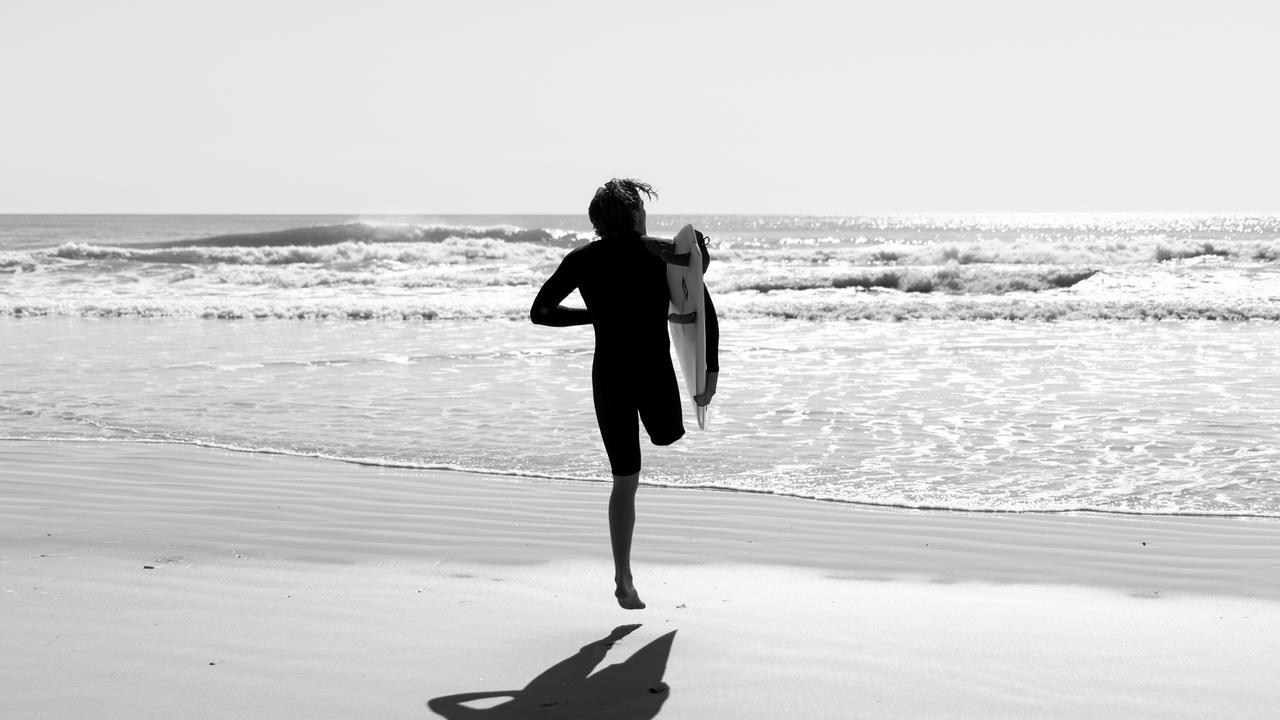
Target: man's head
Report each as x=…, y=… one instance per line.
x=617, y=207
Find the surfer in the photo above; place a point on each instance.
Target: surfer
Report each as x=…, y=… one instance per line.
x=622, y=279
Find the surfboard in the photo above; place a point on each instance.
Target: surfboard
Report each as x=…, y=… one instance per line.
x=687, y=321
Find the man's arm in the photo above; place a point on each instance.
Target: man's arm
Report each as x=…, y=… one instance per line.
x=665, y=249
x=547, y=310
x=713, y=328
x=713, y=349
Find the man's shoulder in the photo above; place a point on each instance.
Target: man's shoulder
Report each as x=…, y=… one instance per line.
x=606, y=253
x=583, y=254
x=582, y=250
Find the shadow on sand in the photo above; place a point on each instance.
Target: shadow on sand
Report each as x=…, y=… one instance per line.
x=630, y=690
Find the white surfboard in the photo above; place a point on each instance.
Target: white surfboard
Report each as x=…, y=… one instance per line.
x=687, y=321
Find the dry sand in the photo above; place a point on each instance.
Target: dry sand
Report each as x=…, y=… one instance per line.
x=141, y=581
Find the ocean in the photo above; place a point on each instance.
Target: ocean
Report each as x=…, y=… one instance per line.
x=985, y=363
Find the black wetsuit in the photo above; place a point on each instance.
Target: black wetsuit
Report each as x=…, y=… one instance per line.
x=625, y=288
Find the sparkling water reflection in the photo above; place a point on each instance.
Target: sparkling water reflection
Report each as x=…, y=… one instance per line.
x=1126, y=417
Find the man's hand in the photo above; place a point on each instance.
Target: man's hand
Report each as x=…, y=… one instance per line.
x=666, y=251
x=704, y=398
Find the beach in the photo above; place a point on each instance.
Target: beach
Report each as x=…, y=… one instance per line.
x=316, y=320
x=158, y=580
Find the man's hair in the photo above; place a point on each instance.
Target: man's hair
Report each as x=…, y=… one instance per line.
x=612, y=210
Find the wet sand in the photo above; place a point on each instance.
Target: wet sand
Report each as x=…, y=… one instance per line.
x=143, y=580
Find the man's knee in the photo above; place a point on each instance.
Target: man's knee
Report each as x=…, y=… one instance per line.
x=668, y=439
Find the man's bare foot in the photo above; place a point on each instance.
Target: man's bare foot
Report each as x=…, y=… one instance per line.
x=627, y=596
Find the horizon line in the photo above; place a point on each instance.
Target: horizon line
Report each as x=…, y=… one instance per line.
x=849, y=213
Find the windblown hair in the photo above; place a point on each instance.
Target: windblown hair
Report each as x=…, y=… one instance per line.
x=612, y=210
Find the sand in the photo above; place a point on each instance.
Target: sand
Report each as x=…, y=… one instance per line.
x=146, y=580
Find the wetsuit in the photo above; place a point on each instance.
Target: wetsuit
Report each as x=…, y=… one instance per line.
x=624, y=286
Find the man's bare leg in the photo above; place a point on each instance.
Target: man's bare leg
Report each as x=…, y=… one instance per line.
x=622, y=522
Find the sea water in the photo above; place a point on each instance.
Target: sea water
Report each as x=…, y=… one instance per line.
x=985, y=363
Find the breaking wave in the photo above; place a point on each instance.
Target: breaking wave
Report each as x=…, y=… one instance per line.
x=949, y=278
x=373, y=232
x=346, y=253
x=889, y=269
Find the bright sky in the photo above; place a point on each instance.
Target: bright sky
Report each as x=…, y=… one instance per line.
x=414, y=106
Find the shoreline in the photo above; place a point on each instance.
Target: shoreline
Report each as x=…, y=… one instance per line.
x=161, y=580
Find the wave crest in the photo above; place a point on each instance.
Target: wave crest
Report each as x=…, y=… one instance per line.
x=952, y=279
x=370, y=232
x=450, y=250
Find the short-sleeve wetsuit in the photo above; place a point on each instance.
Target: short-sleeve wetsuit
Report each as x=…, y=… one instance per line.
x=624, y=286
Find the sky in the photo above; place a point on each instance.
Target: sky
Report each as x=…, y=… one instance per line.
x=495, y=106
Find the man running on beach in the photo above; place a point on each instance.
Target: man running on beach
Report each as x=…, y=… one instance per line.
x=622, y=279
